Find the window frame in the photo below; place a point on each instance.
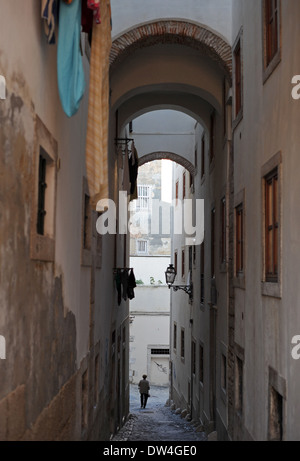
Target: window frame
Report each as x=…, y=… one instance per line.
x=271, y=226
x=42, y=246
x=270, y=62
x=175, y=337
x=272, y=288
x=239, y=240
x=182, y=344
x=86, y=226
x=202, y=276
x=239, y=280
x=138, y=251
x=237, y=110
x=223, y=236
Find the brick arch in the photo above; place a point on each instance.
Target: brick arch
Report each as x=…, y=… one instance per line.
x=179, y=32
x=168, y=156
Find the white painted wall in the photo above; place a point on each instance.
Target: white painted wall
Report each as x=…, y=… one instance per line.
x=150, y=266
x=149, y=328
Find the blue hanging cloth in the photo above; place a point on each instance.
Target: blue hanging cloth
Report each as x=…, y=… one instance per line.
x=70, y=73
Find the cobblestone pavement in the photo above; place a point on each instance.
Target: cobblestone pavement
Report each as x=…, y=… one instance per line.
x=157, y=422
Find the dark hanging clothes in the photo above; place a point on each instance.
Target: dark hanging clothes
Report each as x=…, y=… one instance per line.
x=87, y=17
x=124, y=281
x=131, y=285
x=133, y=163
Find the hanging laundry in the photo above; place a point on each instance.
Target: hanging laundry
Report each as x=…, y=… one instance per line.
x=131, y=285
x=87, y=17
x=133, y=164
x=98, y=110
x=71, y=81
x=95, y=6
x=49, y=14
x=124, y=281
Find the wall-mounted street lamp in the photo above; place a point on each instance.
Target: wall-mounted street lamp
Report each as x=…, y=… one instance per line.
x=170, y=278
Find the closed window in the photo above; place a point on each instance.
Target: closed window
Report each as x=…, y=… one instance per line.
x=182, y=348
x=202, y=272
x=142, y=247
x=183, y=185
x=175, y=336
x=271, y=226
x=182, y=263
x=238, y=78
x=193, y=357
x=271, y=29
x=213, y=242
x=239, y=239
x=144, y=198
x=223, y=230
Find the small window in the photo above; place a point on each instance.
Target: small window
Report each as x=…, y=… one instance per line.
x=142, y=247
x=41, y=194
x=223, y=230
x=175, y=336
x=239, y=240
x=43, y=198
x=177, y=192
x=182, y=263
x=182, y=349
x=176, y=261
x=193, y=357
x=271, y=29
x=87, y=223
x=160, y=351
x=202, y=272
x=238, y=78
x=144, y=198
x=271, y=36
x=271, y=227
x=213, y=241
x=183, y=185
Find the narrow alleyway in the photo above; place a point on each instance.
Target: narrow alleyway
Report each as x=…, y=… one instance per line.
x=157, y=422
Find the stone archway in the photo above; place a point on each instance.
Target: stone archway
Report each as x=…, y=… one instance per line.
x=168, y=156
x=179, y=32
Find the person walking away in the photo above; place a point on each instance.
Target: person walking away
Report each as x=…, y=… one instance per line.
x=144, y=387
